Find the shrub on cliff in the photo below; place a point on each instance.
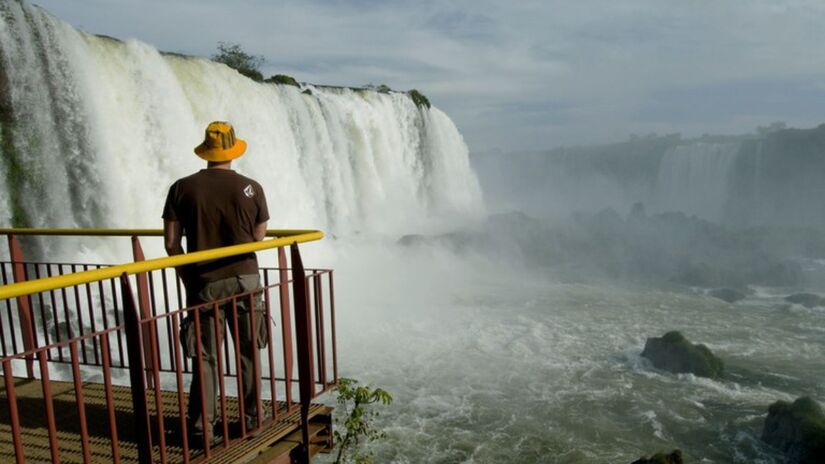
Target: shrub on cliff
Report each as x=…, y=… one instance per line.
x=419, y=99
x=283, y=79
x=233, y=56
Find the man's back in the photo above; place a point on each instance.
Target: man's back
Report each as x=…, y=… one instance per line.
x=217, y=208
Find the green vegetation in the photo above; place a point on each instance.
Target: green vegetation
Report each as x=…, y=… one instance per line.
x=356, y=403
x=381, y=88
x=419, y=99
x=233, y=56
x=283, y=79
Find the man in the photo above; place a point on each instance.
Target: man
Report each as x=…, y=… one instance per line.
x=217, y=207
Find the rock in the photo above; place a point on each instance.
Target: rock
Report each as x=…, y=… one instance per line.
x=808, y=300
x=412, y=240
x=674, y=457
x=674, y=353
x=797, y=429
x=701, y=275
x=731, y=295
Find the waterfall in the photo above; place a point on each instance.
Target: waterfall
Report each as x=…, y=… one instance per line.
x=695, y=178
x=94, y=130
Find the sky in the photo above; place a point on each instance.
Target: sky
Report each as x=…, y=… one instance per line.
x=521, y=75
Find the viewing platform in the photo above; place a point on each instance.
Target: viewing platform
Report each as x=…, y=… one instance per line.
x=94, y=370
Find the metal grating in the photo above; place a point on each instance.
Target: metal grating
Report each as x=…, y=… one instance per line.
x=35, y=435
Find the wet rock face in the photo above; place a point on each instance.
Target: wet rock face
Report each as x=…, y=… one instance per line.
x=808, y=300
x=797, y=429
x=674, y=353
x=674, y=457
x=730, y=295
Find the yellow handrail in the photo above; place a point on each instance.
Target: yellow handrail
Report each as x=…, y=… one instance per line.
x=287, y=237
x=129, y=232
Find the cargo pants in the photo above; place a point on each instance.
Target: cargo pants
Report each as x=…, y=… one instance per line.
x=211, y=345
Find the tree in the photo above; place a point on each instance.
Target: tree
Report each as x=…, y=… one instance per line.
x=357, y=404
x=232, y=55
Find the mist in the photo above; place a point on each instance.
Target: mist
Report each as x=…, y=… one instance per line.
x=738, y=210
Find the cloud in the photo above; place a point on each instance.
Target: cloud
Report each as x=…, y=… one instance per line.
x=519, y=75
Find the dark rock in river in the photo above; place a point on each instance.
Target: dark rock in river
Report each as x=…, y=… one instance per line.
x=797, y=429
x=674, y=457
x=674, y=353
x=808, y=300
x=412, y=240
x=731, y=295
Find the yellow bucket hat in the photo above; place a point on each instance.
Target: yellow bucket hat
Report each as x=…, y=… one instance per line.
x=220, y=143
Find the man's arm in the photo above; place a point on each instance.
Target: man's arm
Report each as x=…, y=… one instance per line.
x=260, y=231
x=172, y=237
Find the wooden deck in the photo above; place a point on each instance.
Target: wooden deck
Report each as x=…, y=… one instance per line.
x=273, y=444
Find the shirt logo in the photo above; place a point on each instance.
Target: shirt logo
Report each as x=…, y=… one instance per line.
x=249, y=191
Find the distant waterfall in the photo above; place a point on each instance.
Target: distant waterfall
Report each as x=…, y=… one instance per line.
x=696, y=178
x=94, y=130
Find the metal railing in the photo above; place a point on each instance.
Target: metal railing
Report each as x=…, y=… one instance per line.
x=120, y=325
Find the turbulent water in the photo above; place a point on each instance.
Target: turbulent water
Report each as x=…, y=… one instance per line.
x=487, y=363
x=492, y=365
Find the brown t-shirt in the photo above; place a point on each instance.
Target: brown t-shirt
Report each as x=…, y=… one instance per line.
x=217, y=208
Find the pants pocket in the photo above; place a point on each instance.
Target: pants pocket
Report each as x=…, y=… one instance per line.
x=261, y=323
x=252, y=283
x=187, y=337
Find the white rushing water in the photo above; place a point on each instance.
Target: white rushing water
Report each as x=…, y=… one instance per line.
x=695, y=179
x=100, y=129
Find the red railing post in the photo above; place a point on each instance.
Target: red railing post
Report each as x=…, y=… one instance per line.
x=286, y=322
x=14, y=416
x=332, y=323
x=303, y=335
x=145, y=312
x=24, y=305
x=319, y=328
x=48, y=402
x=134, y=348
